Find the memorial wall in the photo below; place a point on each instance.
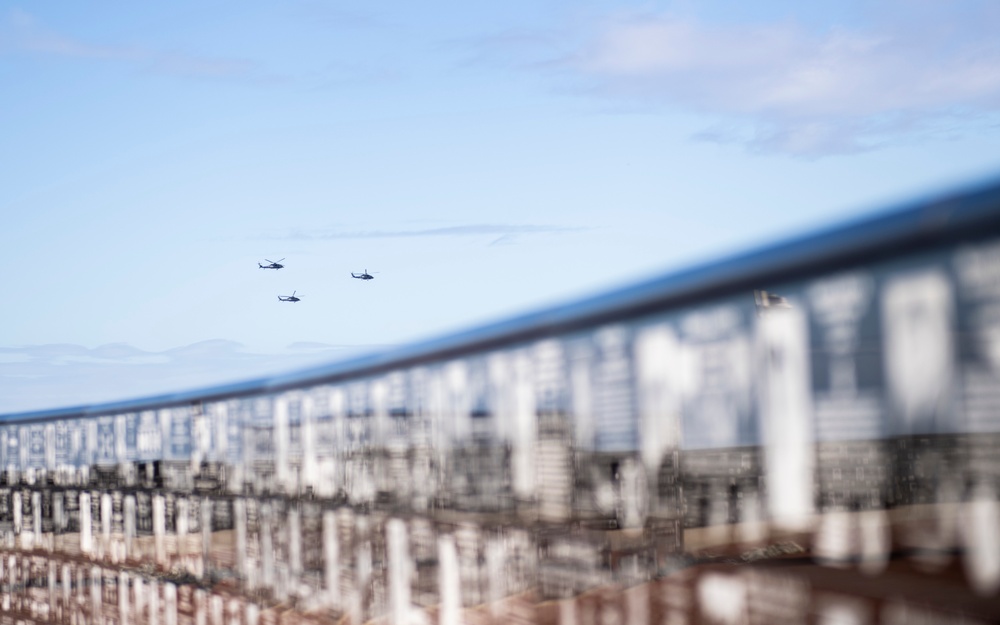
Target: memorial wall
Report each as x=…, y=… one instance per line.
x=809, y=433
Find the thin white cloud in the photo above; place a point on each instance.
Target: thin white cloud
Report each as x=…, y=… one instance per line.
x=24, y=33
x=312, y=346
x=327, y=14
x=200, y=67
x=506, y=48
x=502, y=230
x=507, y=239
x=37, y=377
x=348, y=75
x=800, y=91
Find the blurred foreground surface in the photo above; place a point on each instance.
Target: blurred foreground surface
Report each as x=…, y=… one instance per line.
x=807, y=434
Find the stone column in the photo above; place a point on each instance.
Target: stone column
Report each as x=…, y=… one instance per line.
x=106, y=517
x=181, y=525
x=295, y=543
x=139, y=600
x=67, y=589
x=331, y=556
x=206, y=536
x=154, y=602
x=282, y=474
x=240, y=520
x=86, y=532
x=159, y=529
x=200, y=609
x=399, y=572
x=96, y=584
x=129, y=523
x=18, y=512
x=496, y=560
x=216, y=611
x=36, y=514
x=123, y=614
x=266, y=548
x=58, y=512
x=449, y=582
x=53, y=598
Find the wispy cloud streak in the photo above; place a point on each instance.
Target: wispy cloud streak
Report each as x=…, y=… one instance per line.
x=502, y=230
x=36, y=377
x=517, y=48
x=24, y=33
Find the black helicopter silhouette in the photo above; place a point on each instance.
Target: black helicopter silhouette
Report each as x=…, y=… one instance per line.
x=273, y=265
x=363, y=276
x=287, y=298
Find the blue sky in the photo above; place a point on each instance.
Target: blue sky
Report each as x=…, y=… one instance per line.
x=486, y=159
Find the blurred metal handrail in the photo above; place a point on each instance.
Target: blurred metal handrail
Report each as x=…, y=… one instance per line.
x=969, y=213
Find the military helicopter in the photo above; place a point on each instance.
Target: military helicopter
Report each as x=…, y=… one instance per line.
x=273, y=265
x=287, y=298
x=363, y=276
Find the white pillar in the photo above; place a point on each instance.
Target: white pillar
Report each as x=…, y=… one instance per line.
x=58, y=513
x=67, y=586
x=206, y=535
x=240, y=518
x=281, y=469
x=786, y=415
x=266, y=548
x=129, y=523
x=981, y=535
x=295, y=544
x=106, y=517
x=159, y=529
x=331, y=555
x=449, y=582
x=96, y=581
x=86, y=535
x=399, y=571
x=154, y=602
x=123, y=615
x=182, y=519
x=36, y=514
x=139, y=600
x=81, y=583
x=18, y=519
x=52, y=591
x=200, y=609
x=310, y=471
x=496, y=569
x=169, y=604
x=217, y=614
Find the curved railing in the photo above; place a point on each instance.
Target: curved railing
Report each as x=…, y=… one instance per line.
x=732, y=443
